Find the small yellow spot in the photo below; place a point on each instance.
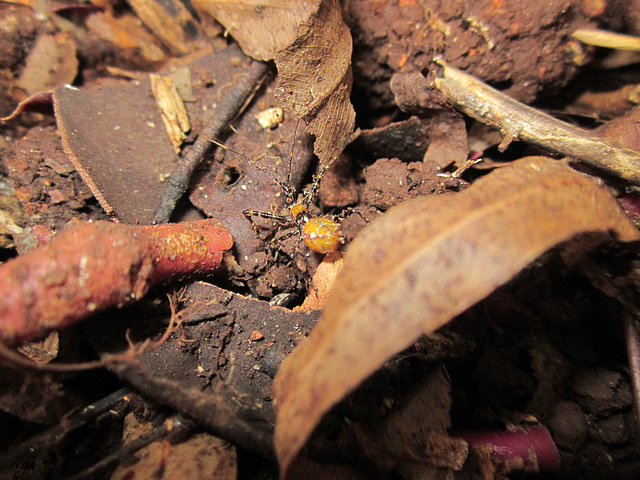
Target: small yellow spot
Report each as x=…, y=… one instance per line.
x=297, y=209
x=270, y=118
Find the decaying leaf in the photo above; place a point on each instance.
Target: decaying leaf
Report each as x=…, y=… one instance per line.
x=315, y=78
x=171, y=21
x=174, y=114
x=623, y=129
x=51, y=63
x=125, y=31
x=110, y=135
x=423, y=263
x=261, y=28
x=312, y=48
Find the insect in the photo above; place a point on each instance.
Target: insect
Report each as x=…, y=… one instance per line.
x=320, y=234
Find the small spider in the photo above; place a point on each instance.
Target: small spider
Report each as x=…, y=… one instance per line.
x=320, y=234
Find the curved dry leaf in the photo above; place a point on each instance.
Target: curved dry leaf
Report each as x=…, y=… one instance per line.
x=423, y=263
x=312, y=48
x=260, y=27
x=172, y=22
x=315, y=78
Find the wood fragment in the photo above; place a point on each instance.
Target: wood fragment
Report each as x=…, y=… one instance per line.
x=174, y=114
x=517, y=121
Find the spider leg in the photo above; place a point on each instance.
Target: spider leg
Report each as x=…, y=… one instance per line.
x=288, y=235
x=311, y=194
x=272, y=246
x=250, y=214
x=350, y=211
x=288, y=190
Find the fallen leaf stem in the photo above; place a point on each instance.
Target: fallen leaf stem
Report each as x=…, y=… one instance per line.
x=230, y=106
x=517, y=121
x=96, y=265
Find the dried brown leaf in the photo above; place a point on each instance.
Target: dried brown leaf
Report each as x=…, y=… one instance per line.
x=423, y=263
x=110, y=136
x=172, y=22
x=624, y=129
x=51, y=63
x=315, y=78
x=312, y=48
x=261, y=28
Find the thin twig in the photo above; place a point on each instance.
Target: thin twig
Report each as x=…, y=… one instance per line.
x=633, y=352
x=179, y=425
x=54, y=435
x=517, y=121
x=209, y=409
x=229, y=108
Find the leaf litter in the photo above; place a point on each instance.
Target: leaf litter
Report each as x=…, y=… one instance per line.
x=428, y=260
x=240, y=344
x=312, y=37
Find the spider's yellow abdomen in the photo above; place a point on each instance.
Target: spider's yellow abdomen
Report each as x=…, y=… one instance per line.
x=322, y=235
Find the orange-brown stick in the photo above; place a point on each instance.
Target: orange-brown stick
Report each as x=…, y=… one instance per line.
x=94, y=266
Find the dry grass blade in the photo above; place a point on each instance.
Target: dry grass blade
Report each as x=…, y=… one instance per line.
x=423, y=263
x=602, y=38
